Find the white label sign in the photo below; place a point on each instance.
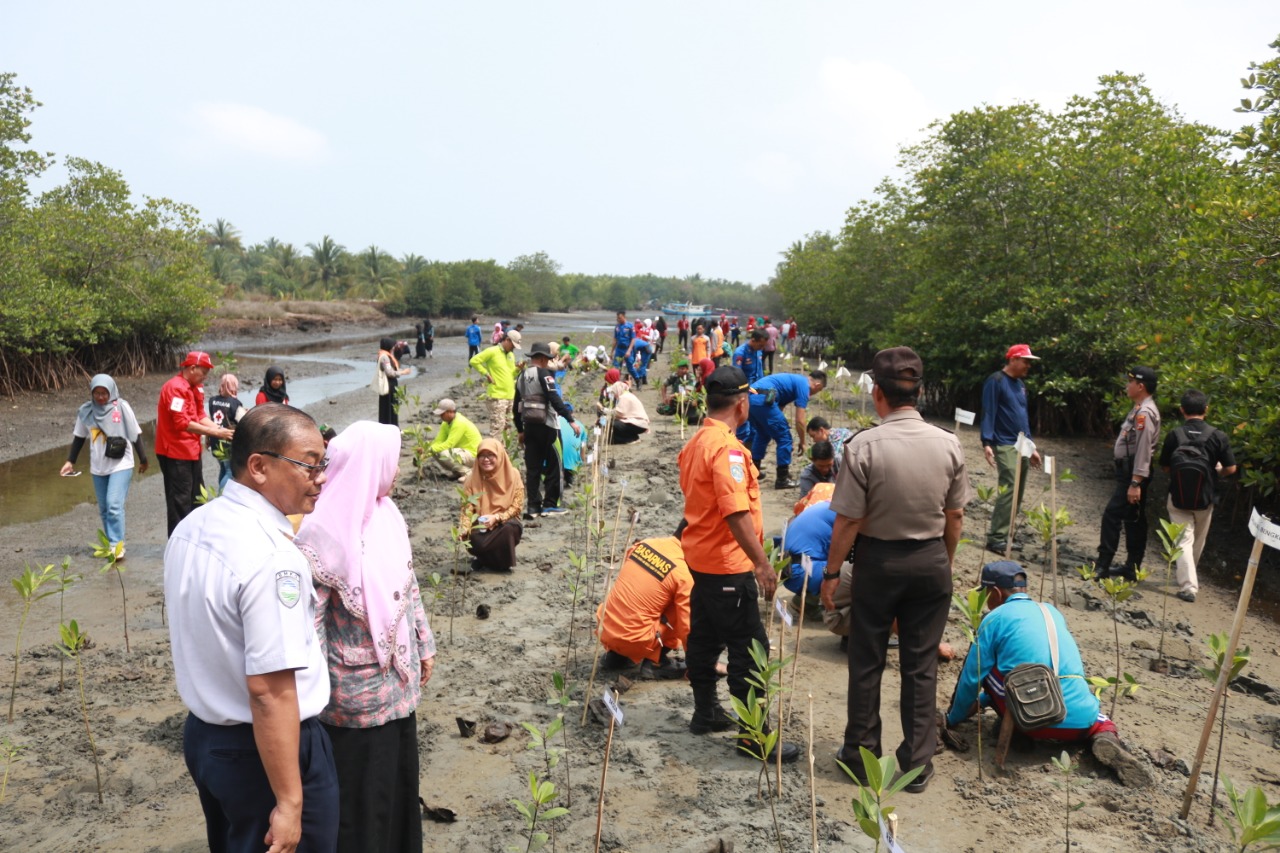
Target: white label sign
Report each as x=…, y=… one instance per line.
x=866, y=383
x=1267, y=532
x=591, y=457
x=964, y=417
x=611, y=702
x=806, y=563
x=843, y=372
x=781, y=606
x=1048, y=465
x=890, y=843
x=1025, y=446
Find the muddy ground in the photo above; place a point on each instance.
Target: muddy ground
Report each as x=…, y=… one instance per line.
x=667, y=790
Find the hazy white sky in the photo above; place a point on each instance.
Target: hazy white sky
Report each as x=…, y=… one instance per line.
x=666, y=137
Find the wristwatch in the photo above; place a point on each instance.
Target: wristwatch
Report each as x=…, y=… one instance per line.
x=830, y=576
x=1135, y=482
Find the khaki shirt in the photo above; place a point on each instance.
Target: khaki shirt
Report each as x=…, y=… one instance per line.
x=1138, y=436
x=901, y=477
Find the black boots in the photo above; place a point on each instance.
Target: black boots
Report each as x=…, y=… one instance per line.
x=784, y=480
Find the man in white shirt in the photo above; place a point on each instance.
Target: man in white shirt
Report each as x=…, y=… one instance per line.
x=245, y=654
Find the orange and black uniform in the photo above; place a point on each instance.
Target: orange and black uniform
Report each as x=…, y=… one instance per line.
x=718, y=480
x=647, y=609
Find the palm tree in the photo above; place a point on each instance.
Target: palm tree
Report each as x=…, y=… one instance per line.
x=327, y=256
x=376, y=272
x=223, y=235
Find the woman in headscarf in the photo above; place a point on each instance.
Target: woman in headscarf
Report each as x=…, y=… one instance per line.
x=611, y=377
x=627, y=413
x=225, y=410
x=498, y=332
x=429, y=336
x=380, y=649
x=490, y=520
x=272, y=390
x=705, y=368
x=114, y=437
x=420, y=350
x=389, y=365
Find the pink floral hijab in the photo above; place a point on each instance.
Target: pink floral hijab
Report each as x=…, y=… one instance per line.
x=357, y=540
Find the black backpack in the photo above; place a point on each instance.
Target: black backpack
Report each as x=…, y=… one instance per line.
x=1191, y=471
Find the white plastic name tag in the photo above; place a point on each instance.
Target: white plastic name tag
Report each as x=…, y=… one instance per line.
x=783, y=611
x=1025, y=446
x=866, y=383
x=843, y=372
x=1048, y=465
x=611, y=702
x=890, y=843
x=1267, y=532
x=964, y=417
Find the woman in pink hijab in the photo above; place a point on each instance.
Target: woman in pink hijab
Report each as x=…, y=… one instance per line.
x=380, y=649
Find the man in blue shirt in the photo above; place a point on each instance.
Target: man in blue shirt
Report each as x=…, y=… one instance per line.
x=809, y=535
x=770, y=396
x=637, y=360
x=473, y=338
x=623, y=334
x=1004, y=415
x=747, y=357
x=1014, y=632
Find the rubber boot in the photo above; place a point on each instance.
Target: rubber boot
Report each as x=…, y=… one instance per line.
x=708, y=714
x=784, y=480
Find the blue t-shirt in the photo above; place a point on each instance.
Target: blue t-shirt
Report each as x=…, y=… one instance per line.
x=1013, y=634
x=473, y=335
x=790, y=388
x=749, y=362
x=571, y=445
x=622, y=335
x=1004, y=409
x=809, y=535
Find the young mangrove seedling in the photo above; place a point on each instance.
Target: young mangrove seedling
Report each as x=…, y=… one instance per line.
x=560, y=695
x=869, y=806
x=973, y=607
x=104, y=550
x=756, y=737
x=73, y=643
x=9, y=751
x=207, y=493
x=541, y=793
x=1067, y=767
x=1117, y=590
x=28, y=586
x=1170, y=535
x=1252, y=819
x=1218, y=651
x=65, y=580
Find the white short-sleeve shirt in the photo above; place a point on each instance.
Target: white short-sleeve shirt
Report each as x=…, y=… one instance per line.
x=241, y=602
x=99, y=464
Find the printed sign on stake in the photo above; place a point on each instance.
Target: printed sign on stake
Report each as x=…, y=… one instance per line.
x=611, y=702
x=781, y=606
x=965, y=417
x=1267, y=532
x=890, y=843
x=1048, y=465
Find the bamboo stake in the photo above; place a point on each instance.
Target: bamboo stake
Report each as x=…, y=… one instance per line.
x=595, y=664
x=608, y=744
x=777, y=747
x=1224, y=674
x=806, y=565
x=813, y=785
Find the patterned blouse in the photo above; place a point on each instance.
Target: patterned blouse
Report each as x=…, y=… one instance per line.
x=362, y=695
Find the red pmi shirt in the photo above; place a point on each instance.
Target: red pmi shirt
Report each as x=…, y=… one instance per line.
x=180, y=403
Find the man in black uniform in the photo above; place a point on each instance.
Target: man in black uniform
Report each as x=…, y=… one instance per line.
x=537, y=405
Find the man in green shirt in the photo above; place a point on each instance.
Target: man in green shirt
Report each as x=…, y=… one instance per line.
x=498, y=366
x=454, y=450
x=570, y=350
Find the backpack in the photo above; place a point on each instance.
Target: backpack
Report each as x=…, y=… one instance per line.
x=1191, y=474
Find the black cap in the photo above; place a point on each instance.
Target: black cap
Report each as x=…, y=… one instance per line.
x=727, y=380
x=897, y=363
x=1146, y=376
x=540, y=349
x=1004, y=574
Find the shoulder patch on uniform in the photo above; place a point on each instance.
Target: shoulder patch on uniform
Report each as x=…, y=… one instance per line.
x=288, y=587
x=1140, y=422
x=651, y=561
x=176, y=404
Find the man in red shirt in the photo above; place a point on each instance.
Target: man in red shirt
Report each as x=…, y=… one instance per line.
x=180, y=421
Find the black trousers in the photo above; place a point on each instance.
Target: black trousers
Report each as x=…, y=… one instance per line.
x=183, y=479
x=909, y=581
x=723, y=614
x=625, y=433
x=378, y=809
x=768, y=361
x=472, y=351
x=541, y=462
x=236, y=796
x=684, y=339
x=1132, y=518
x=387, y=404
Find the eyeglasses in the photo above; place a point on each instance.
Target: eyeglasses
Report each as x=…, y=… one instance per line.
x=313, y=471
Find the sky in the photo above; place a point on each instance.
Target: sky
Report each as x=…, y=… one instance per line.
x=659, y=137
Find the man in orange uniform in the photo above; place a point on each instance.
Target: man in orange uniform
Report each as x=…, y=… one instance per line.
x=646, y=614
x=723, y=544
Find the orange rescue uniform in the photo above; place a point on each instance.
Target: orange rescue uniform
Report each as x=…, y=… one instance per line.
x=718, y=480
x=647, y=609
x=819, y=493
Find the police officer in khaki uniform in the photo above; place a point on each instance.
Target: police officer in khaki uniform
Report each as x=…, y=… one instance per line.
x=900, y=496
x=1135, y=446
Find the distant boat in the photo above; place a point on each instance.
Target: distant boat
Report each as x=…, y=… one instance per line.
x=685, y=309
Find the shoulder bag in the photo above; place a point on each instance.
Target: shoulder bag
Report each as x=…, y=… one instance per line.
x=1032, y=693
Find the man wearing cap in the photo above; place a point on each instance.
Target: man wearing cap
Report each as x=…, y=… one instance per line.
x=900, y=495
x=538, y=404
x=180, y=421
x=1134, y=449
x=1015, y=632
x=677, y=392
x=1004, y=415
x=722, y=543
x=456, y=445
x=498, y=366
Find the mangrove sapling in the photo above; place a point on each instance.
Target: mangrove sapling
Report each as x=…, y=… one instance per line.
x=973, y=607
x=104, y=550
x=755, y=736
x=28, y=585
x=1252, y=819
x=434, y=594
x=1218, y=650
x=869, y=806
x=65, y=579
x=9, y=751
x=1048, y=524
x=73, y=644
x=986, y=495
x=1170, y=535
x=1117, y=590
x=560, y=695
x=455, y=535
x=1067, y=767
x=207, y=493
x=574, y=574
x=540, y=740
x=541, y=792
